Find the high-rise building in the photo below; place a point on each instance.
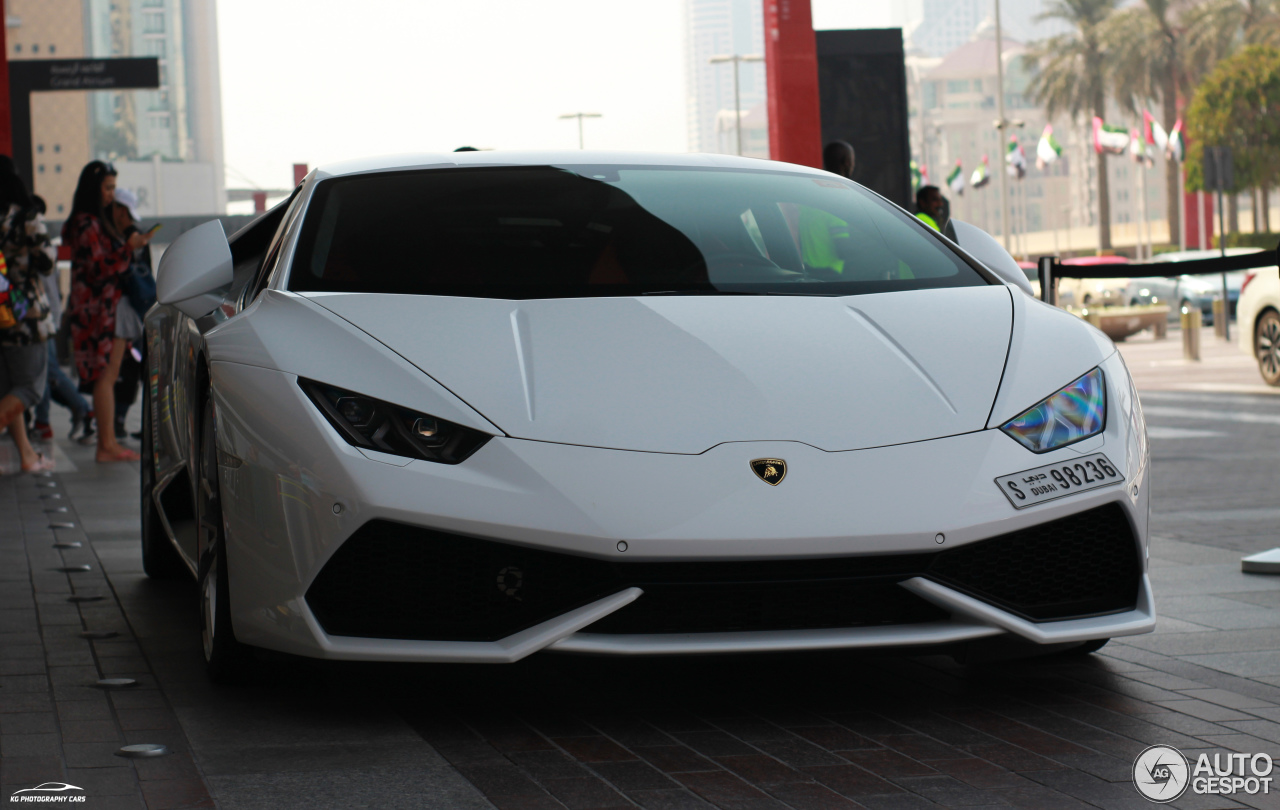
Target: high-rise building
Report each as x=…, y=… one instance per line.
x=948, y=24
x=724, y=27
x=166, y=143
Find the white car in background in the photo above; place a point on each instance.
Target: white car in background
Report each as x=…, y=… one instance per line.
x=1258, y=321
x=469, y=407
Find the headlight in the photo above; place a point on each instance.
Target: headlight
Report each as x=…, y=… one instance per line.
x=377, y=425
x=1074, y=413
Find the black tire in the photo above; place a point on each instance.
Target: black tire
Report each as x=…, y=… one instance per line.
x=1089, y=647
x=224, y=657
x=159, y=557
x=1266, y=346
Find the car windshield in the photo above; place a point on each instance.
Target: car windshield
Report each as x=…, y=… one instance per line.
x=565, y=232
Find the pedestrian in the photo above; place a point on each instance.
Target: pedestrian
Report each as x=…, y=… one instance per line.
x=98, y=263
x=139, y=294
x=60, y=388
x=25, y=325
x=930, y=207
x=839, y=158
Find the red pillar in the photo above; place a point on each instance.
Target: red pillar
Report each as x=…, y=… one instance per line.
x=259, y=202
x=791, y=57
x=6, y=125
x=299, y=173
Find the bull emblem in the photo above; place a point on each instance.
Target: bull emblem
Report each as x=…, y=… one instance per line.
x=769, y=470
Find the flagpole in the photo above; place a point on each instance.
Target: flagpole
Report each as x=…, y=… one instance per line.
x=1182, y=209
x=1000, y=125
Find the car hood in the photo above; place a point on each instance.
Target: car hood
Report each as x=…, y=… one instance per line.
x=681, y=374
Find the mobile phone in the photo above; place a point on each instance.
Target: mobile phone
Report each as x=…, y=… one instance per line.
x=154, y=228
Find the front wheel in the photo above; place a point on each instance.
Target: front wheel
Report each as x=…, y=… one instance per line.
x=224, y=656
x=1266, y=344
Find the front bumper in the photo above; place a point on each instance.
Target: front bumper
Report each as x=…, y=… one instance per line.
x=294, y=503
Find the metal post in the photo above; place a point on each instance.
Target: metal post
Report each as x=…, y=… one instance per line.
x=1182, y=209
x=1047, y=292
x=1222, y=245
x=1000, y=125
x=737, y=104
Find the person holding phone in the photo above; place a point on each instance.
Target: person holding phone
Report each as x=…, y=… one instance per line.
x=139, y=294
x=98, y=265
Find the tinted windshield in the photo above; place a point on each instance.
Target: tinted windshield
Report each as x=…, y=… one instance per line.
x=548, y=232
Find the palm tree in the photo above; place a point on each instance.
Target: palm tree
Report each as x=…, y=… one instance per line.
x=1068, y=75
x=1147, y=49
x=1214, y=31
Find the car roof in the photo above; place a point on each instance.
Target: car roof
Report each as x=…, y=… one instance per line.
x=553, y=158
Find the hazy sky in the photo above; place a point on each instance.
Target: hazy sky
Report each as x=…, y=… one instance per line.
x=313, y=81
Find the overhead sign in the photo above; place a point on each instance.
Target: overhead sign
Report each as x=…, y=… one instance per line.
x=27, y=76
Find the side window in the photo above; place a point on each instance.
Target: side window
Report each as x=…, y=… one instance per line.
x=273, y=252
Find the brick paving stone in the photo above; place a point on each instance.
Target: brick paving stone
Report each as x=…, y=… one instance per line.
x=24, y=683
x=543, y=801
x=178, y=765
x=29, y=723
x=631, y=732
x=979, y=773
x=759, y=769
x=798, y=753
x=715, y=743
x=29, y=771
x=887, y=763
x=29, y=745
x=594, y=749
x=751, y=729
x=810, y=796
x=551, y=764
x=85, y=731
x=144, y=719
x=835, y=738
x=668, y=800
x=850, y=780
x=171, y=794
x=503, y=779
x=515, y=738
x=675, y=759
x=633, y=776
x=1213, y=712
x=93, y=755
x=719, y=786
x=579, y=794
x=104, y=782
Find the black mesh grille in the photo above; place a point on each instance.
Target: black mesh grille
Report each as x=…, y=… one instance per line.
x=1076, y=566
x=395, y=581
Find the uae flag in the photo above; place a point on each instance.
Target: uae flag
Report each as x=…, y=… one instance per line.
x=955, y=180
x=1048, y=150
x=1155, y=134
x=980, y=175
x=1138, y=150
x=1107, y=138
x=1016, y=158
x=1177, y=149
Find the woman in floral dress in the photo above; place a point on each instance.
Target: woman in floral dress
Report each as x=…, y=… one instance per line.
x=99, y=260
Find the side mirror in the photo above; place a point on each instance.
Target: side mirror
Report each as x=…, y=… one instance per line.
x=195, y=270
x=980, y=245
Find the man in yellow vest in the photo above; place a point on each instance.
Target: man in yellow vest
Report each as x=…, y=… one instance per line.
x=930, y=207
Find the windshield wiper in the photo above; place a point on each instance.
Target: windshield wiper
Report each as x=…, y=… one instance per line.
x=700, y=292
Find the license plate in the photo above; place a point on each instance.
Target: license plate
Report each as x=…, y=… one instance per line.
x=1051, y=481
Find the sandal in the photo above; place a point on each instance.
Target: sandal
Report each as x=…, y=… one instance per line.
x=120, y=454
x=43, y=464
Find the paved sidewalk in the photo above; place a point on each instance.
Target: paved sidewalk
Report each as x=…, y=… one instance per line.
x=808, y=731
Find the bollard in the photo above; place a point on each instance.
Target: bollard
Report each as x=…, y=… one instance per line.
x=1161, y=330
x=1191, y=334
x=1219, y=322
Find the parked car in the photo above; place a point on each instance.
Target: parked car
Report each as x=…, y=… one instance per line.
x=468, y=407
x=1196, y=292
x=1258, y=319
x=1092, y=292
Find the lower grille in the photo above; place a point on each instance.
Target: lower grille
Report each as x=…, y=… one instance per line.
x=1079, y=565
x=390, y=580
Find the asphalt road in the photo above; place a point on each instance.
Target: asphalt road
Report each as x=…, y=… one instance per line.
x=557, y=731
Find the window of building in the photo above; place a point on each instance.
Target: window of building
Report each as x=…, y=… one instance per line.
x=958, y=86
x=57, y=148
x=53, y=49
x=39, y=149
x=977, y=85
x=35, y=49
x=60, y=208
x=40, y=170
x=153, y=22
x=57, y=168
x=17, y=47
